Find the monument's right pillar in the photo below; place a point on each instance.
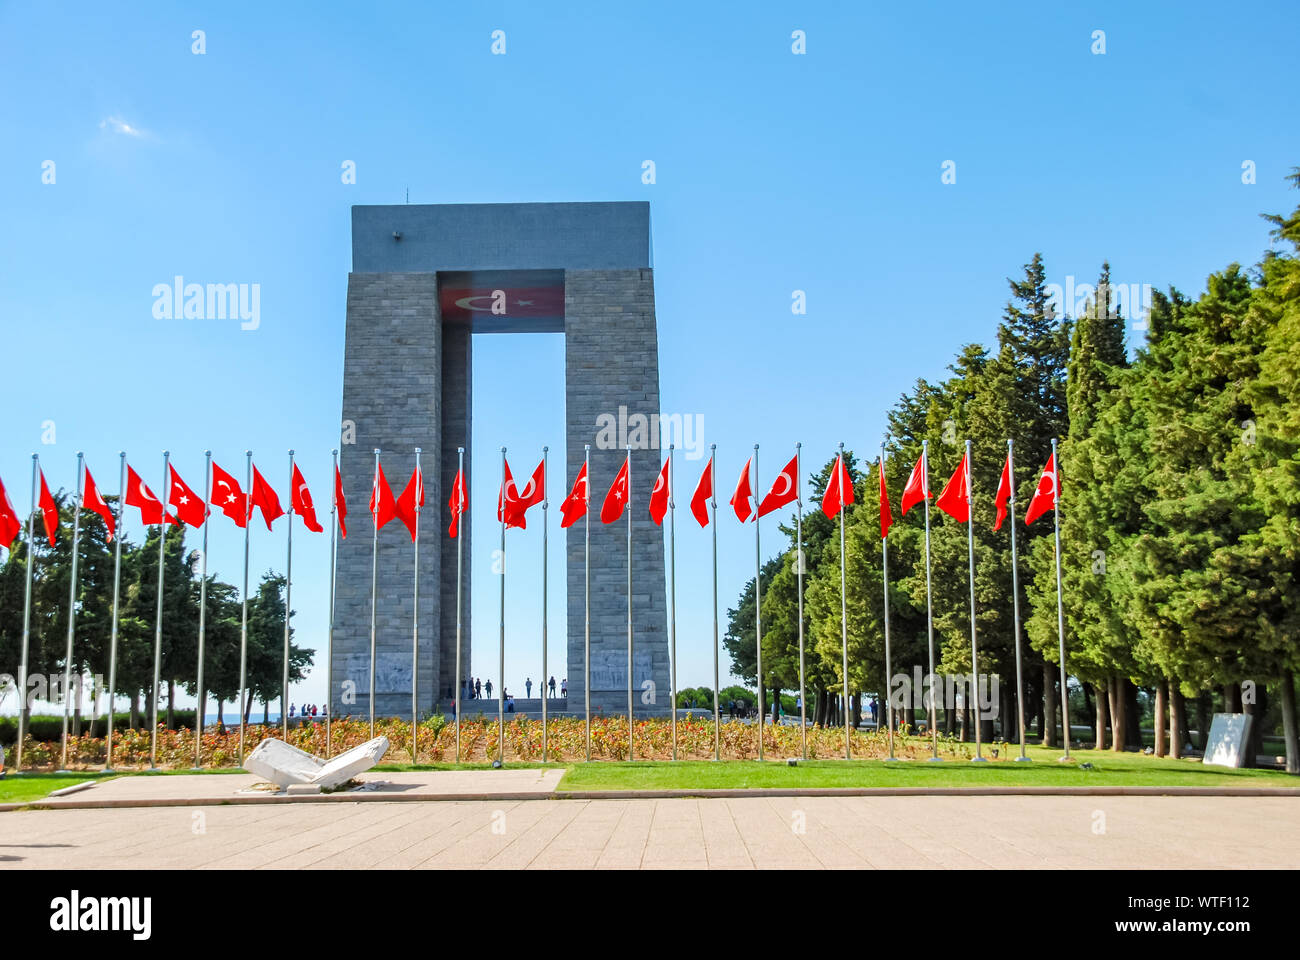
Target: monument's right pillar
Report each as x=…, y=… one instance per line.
x=612, y=371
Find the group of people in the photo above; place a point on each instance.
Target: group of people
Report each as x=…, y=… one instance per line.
x=308, y=710
x=477, y=688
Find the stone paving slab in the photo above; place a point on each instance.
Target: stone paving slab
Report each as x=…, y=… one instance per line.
x=675, y=833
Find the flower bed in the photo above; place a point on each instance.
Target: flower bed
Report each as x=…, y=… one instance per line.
x=566, y=741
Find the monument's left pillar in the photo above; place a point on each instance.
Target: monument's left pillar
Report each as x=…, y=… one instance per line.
x=392, y=399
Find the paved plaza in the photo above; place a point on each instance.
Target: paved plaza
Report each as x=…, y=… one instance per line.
x=745, y=832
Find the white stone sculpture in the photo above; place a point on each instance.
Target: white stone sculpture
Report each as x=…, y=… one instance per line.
x=284, y=765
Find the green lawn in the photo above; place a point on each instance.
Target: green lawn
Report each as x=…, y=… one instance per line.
x=15, y=788
x=1109, y=769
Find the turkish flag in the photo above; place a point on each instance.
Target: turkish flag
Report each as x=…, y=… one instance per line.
x=139, y=495
x=409, y=503
x=575, y=504
x=508, y=500
x=229, y=496
x=1004, y=493
x=300, y=500
x=703, y=493
x=533, y=493
x=785, y=488
x=659, y=496
x=617, y=497
x=457, y=503
x=9, y=523
x=266, y=499
x=189, y=507
x=839, y=489
x=918, y=486
x=382, y=505
x=49, y=512
x=886, y=515
x=744, y=492
x=340, y=502
x=954, y=500
x=92, y=499
x=1045, y=494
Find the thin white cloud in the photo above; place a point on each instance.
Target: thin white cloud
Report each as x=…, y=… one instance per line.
x=117, y=125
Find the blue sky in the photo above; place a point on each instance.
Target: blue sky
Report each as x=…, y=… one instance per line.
x=774, y=173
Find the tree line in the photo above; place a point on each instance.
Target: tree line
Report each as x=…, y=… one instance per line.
x=1180, y=518
x=137, y=609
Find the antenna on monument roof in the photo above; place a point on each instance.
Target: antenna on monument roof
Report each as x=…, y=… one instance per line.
x=408, y=194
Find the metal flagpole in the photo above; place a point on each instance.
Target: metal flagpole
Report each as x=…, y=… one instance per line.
x=415, y=619
x=72, y=613
x=157, y=630
x=586, y=573
x=117, y=583
x=713, y=506
x=889, y=668
x=844, y=609
x=288, y=610
x=631, y=745
x=329, y=641
x=672, y=594
x=798, y=573
x=1060, y=608
x=199, y=715
x=23, y=706
x=501, y=663
x=974, y=650
x=929, y=604
x=460, y=680
x=545, y=506
x=374, y=586
x=243, y=617
x=1015, y=593
x=758, y=610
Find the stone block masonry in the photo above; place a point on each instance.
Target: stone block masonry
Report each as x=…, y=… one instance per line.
x=408, y=383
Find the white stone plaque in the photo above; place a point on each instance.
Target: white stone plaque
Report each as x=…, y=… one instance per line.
x=1229, y=740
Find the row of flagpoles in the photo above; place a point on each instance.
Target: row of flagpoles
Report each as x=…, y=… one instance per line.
x=223, y=491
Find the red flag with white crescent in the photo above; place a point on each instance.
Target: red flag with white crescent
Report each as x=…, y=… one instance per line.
x=576, y=503
x=659, y=496
x=228, y=496
x=529, y=495
x=1045, y=494
x=616, y=499
x=785, y=488
x=139, y=495
x=190, y=507
x=302, y=503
